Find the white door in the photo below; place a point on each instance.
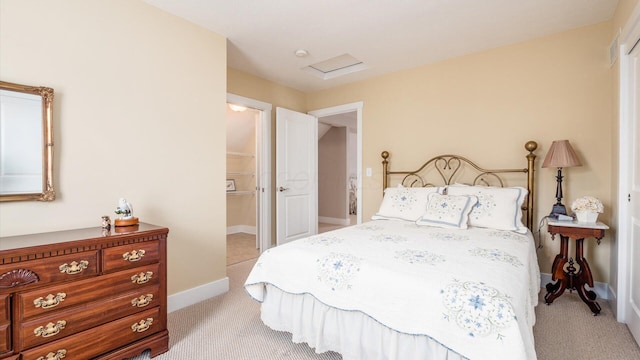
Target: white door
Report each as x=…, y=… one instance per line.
x=297, y=175
x=633, y=317
x=629, y=234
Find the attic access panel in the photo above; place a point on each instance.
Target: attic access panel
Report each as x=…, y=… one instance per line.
x=337, y=66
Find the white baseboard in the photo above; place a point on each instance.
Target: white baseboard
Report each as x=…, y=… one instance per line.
x=247, y=229
x=197, y=294
x=613, y=301
x=334, y=221
x=602, y=290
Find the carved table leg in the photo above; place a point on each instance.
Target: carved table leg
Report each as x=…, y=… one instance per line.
x=558, y=273
x=580, y=278
x=584, y=277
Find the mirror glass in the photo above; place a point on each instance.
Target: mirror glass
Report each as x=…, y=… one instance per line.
x=26, y=143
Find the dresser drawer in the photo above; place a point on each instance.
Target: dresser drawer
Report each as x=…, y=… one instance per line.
x=91, y=343
x=128, y=256
x=69, y=321
x=55, y=268
x=5, y=337
x=4, y=307
x=5, y=324
x=52, y=298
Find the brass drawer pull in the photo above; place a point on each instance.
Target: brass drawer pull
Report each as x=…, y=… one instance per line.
x=50, y=329
x=134, y=255
x=50, y=301
x=74, y=268
x=142, y=277
x=142, y=301
x=60, y=354
x=142, y=326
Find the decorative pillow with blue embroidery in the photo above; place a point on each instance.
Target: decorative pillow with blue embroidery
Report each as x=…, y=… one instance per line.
x=404, y=203
x=448, y=211
x=497, y=208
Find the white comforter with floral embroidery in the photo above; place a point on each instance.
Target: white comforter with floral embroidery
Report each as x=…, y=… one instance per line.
x=472, y=291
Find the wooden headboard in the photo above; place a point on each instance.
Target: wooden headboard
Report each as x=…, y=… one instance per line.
x=450, y=169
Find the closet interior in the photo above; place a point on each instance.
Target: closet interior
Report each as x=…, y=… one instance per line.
x=242, y=160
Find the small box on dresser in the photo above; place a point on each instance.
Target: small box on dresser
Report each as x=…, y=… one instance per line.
x=84, y=294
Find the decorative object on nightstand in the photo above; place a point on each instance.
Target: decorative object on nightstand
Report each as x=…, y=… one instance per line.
x=560, y=155
x=126, y=210
x=587, y=209
x=573, y=278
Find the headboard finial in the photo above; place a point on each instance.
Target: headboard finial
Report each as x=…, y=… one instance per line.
x=531, y=146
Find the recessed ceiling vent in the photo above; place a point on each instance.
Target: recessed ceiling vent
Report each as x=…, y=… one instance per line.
x=334, y=67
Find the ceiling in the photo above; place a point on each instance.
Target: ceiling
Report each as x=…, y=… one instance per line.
x=386, y=35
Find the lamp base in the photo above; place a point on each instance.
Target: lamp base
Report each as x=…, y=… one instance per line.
x=558, y=209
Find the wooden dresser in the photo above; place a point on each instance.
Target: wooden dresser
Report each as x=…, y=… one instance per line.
x=84, y=294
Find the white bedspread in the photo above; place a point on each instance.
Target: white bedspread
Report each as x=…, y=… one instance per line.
x=473, y=291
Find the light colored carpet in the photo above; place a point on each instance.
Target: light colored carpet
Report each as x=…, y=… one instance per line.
x=323, y=227
x=567, y=329
x=228, y=327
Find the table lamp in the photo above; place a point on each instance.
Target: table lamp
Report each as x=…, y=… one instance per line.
x=560, y=155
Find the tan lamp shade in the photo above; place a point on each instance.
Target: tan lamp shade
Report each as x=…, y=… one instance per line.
x=561, y=155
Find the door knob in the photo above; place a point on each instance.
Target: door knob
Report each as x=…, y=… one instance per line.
x=281, y=189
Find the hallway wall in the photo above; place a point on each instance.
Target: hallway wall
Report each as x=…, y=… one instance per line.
x=332, y=174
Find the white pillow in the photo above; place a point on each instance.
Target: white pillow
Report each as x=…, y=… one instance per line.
x=404, y=203
x=497, y=208
x=448, y=211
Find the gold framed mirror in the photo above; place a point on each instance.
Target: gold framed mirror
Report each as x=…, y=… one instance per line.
x=26, y=143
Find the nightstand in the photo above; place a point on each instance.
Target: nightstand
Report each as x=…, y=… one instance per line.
x=572, y=278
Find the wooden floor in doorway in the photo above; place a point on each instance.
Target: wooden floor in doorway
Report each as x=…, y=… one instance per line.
x=241, y=247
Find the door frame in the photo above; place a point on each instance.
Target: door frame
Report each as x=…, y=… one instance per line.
x=629, y=37
x=341, y=109
x=263, y=161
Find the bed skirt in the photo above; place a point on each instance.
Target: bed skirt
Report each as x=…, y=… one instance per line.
x=353, y=334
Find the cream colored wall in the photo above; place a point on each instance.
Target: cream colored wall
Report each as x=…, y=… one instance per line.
x=140, y=99
x=623, y=11
x=256, y=88
x=486, y=106
x=620, y=19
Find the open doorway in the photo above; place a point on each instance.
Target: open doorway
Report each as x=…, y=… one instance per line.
x=339, y=158
x=337, y=173
x=248, y=178
x=242, y=241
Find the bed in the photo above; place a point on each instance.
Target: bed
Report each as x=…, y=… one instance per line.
x=446, y=269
